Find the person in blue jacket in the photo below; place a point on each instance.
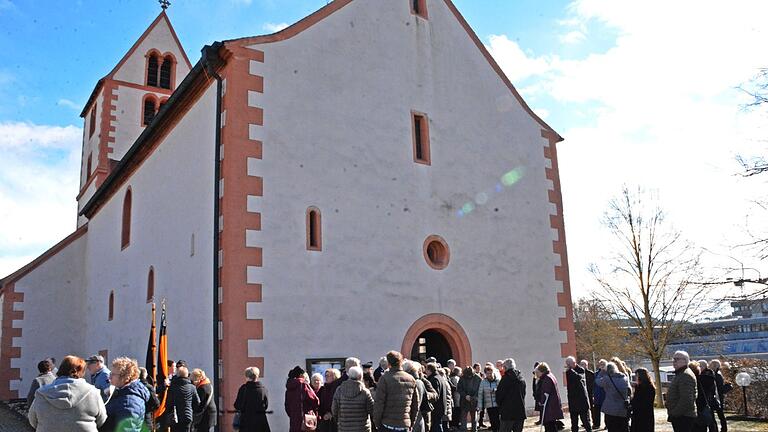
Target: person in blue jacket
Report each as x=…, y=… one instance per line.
x=599, y=394
x=127, y=406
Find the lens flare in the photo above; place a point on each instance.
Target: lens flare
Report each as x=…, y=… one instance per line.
x=482, y=198
x=512, y=177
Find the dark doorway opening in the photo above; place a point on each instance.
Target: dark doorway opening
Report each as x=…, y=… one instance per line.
x=431, y=344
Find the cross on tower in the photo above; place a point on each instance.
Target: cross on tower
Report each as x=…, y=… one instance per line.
x=164, y=4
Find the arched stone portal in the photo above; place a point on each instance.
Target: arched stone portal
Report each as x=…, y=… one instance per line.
x=447, y=337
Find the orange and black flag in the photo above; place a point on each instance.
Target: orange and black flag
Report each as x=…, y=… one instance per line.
x=149, y=364
x=162, y=365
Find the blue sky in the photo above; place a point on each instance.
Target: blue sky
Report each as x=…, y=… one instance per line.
x=645, y=93
x=56, y=54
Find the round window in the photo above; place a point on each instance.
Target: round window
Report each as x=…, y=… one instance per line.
x=436, y=252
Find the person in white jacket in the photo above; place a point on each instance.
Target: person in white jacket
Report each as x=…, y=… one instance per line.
x=69, y=404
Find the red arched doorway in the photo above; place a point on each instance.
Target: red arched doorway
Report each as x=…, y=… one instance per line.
x=444, y=333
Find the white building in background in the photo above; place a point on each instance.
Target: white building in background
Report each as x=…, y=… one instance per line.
x=381, y=185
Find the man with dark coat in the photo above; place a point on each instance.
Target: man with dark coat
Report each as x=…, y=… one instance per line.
x=721, y=391
x=182, y=397
x=397, y=402
x=590, y=376
x=510, y=397
x=443, y=402
x=578, y=397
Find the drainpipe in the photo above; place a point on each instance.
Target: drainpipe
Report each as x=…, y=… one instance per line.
x=211, y=60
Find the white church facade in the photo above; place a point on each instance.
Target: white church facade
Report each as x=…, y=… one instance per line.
x=366, y=179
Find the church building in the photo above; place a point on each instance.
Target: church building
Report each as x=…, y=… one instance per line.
x=366, y=179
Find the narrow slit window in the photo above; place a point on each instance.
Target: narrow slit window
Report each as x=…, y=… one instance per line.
x=314, y=230
x=125, y=234
x=152, y=68
x=419, y=7
x=88, y=166
x=421, y=151
x=111, y=312
x=151, y=285
x=92, y=122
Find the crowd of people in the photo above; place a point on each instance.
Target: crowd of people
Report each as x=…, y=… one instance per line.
x=610, y=394
x=398, y=396
x=121, y=398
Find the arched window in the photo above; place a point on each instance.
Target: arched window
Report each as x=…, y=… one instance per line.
x=125, y=237
x=153, y=63
x=111, y=306
x=150, y=109
x=314, y=230
x=166, y=69
x=92, y=121
x=151, y=285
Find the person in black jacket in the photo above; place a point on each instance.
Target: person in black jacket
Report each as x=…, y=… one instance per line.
x=642, y=402
x=721, y=391
x=152, y=403
x=183, y=398
x=510, y=397
x=709, y=386
x=205, y=417
x=442, y=405
x=252, y=403
x=578, y=397
x=590, y=376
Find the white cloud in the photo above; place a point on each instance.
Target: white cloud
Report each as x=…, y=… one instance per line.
x=573, y=37
x=274, y=28
x=69, y=104
x=39, y=174
x=514, y=61
x=660, y=109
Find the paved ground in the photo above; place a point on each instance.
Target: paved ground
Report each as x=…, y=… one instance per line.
x=11, y=422
x=663, y=426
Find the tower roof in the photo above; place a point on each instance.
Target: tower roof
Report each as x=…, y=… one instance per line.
x=162, y=17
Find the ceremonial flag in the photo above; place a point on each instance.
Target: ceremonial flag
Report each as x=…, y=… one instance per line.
x=162, y=365
x=149, y=363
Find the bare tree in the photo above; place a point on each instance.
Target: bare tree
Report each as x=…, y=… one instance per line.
x=647, y=278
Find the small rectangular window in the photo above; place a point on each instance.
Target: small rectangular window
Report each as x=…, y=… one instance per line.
x=88, y=166
x=421, y=150
x=419, y=7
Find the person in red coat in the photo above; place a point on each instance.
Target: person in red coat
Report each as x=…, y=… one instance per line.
x=548, y=395
x=300, y=399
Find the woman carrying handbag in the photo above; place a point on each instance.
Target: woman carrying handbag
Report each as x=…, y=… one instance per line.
x=301, y=402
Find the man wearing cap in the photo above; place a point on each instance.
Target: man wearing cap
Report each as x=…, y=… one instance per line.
x=99, y=376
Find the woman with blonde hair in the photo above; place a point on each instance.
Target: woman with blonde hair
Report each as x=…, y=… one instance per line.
x=69, y=404
x=204, y=419
x=127, y=406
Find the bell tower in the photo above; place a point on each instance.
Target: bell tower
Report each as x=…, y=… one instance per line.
x=126, y=100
